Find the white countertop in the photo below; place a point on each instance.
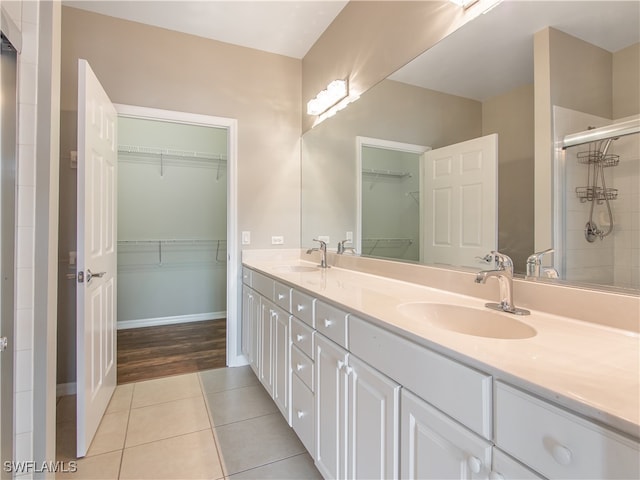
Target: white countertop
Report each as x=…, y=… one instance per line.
x=591, y=369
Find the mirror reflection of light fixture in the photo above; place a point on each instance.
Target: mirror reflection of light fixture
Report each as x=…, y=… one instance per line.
x=327, y=98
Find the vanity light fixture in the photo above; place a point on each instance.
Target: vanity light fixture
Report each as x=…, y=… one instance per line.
x=327, y=98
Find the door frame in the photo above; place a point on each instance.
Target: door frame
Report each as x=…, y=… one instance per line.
x=386, y=145
x=234, y=352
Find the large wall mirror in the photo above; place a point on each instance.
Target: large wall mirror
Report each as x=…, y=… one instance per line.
x=477, y=82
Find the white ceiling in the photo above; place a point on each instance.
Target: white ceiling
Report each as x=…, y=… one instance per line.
x=284, y=27
x=493, y=53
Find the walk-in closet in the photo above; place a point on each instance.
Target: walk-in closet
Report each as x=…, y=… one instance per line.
x=172, y=224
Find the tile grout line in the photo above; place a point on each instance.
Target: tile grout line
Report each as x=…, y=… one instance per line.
x=270, y=463
x=126, y=431
x=223, y=466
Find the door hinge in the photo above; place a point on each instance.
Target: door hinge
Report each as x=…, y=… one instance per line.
x=81, y=276
x=4, y=343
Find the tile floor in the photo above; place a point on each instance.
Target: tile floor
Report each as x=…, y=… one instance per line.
x=216, y=424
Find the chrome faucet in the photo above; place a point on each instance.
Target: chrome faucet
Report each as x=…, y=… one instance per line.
x=323, y=250
x=535, y=268
x=342, y=249
x=504, y=273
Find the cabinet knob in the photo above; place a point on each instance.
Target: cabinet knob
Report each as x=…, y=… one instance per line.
x=299, y=337
x=300, y=307
x=348, y=370
x=561, y=454
x=280, y=296
x=327, y=323
x=299, y=366
x=340, y=364
x=496, y=476
x=474, y=464
x=299, y=413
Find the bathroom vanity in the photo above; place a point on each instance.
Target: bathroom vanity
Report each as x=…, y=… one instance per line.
x=382, y=378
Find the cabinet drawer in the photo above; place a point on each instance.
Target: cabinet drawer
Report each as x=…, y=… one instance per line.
x=303, y=306
x=302, y=413
x=302, y=366
x=331, y=322
x=302, y=337
x=282, y=296
x=459, y=391
x=559, y=444
x=262, y=284
x=506, y=468
x=246, y=276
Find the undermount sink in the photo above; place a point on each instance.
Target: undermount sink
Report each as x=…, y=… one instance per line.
x=296, y=268
x=468, y=320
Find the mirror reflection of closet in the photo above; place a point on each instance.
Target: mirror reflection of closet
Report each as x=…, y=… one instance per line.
x=172, y=214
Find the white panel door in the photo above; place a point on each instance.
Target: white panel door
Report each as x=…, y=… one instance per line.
x=331, y=408
x=435, y=446
x=459, y=202
x=96, y=293
x=374, y=423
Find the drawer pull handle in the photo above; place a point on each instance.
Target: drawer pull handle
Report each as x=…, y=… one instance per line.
x=280, y=296
x=299, y=366
x=561, y=454
x=474, y=464
x=496, y=476
x=300, y=413
x=299, y=337
x=327, y=323
x=300, y=307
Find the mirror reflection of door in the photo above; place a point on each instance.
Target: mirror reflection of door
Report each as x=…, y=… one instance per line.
x=389, y=199
x=460, y=222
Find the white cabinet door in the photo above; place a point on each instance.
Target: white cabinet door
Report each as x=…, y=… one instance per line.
x=435, y=447
x=506, y=468
x=250, y=306
x=265, y=330
x=281, y=348
x=374, y=416
x=331, y=398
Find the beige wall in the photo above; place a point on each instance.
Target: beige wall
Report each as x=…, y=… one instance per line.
x=510, y=115
x=369, y=40
x=152, y=67
x=626, y=78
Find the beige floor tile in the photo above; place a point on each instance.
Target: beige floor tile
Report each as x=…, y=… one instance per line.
x=121, y=399
x=239, y=404
x=66, y=409
x=300, y=467
x=110, y=434
x=157, y=422
x=165, y=389
x=187, y=457
x=98, y=467
x=220, y=379
x=256, y=442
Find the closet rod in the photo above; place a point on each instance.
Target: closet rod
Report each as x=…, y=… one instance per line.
x=602, y=133
x=168, y=152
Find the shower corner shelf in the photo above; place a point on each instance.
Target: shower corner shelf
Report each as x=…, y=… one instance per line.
x=589, y=194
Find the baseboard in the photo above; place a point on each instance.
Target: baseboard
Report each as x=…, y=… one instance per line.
x=155, y=322
x=63, y=389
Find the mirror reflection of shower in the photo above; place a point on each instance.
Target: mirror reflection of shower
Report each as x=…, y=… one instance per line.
x=597, y=158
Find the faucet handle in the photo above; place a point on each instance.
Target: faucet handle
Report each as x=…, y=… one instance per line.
x=323, y=244
x=536, y=258
x=503, y=262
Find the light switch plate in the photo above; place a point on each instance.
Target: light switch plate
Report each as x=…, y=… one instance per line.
x=246, y=238
x=349, y=237
x=277, y=240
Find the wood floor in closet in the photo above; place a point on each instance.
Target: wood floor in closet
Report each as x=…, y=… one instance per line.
x=153, y=352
